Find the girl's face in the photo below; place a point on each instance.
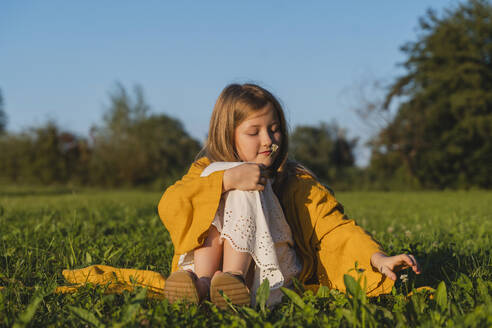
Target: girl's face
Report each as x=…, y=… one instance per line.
x=256, y=134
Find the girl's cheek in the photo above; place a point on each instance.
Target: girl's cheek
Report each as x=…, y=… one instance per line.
x=278, y=138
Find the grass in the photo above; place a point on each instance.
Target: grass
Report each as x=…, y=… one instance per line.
x=43, y=231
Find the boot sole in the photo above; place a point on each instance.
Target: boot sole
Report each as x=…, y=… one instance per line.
x=232, y=286
x=181, y=286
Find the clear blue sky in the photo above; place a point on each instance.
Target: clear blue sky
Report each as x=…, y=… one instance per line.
x=59, y=59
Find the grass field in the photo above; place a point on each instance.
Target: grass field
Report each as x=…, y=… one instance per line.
x=43, y=231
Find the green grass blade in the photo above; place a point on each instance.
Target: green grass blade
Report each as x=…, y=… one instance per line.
x=262, y=295
x=26, y=316
x=442, y=296
x=86, y=316
x=292, y=295
x=351, y=285
x=323, y=292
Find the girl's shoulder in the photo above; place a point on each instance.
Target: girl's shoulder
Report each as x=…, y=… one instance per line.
x=198, y=166
x=200, y=163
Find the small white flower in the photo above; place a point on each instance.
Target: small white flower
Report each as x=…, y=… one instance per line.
x=391, y=229
x=408, y=233
x=273, y=148
x=404, y=278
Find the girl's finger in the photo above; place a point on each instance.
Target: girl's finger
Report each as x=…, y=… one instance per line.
x=416, y=266
x=260, y=187
x=387, y=272
x=264, y=172
x=407, y=259
x=412, y=258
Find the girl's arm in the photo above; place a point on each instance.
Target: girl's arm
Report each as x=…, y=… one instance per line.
x=188, y=207
x=345, y=248
x=338, y=244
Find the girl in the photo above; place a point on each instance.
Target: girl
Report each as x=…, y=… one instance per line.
x=244, y=212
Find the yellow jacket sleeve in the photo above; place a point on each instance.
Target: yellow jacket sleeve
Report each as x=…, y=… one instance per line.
x=335, y=241
x=188, y=208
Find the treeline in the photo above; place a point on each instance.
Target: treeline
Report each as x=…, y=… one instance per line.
x=131, y=147
x=437, y=135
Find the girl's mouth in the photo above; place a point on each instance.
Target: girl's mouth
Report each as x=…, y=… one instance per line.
x=270, y=152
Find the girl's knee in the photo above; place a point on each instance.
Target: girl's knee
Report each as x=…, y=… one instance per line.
x=213, y=238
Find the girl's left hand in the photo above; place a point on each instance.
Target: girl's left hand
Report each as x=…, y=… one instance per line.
x=388, y=265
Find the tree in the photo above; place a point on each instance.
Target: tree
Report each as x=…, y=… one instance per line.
x=325, y=149
x=134, y=147
x=43, y=154
x=442, y=132
x=3, y=116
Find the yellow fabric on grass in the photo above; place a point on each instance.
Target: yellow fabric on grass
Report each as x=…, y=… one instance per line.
x=116, y=280
x=327, y=243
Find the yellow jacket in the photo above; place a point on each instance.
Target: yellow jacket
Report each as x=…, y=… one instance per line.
x=326, y=241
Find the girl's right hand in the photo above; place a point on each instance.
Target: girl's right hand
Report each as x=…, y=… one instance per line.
x=247, y=176
x=388, y=265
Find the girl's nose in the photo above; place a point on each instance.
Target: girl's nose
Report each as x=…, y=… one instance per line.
x=266, y=140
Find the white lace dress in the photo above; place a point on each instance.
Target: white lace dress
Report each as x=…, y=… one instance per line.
x=253, y=222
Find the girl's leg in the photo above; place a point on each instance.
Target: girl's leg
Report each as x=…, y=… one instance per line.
x=235, y=261
x=207, y=260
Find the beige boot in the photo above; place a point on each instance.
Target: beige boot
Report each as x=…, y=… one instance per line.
x=233, y=286
x=181, y=285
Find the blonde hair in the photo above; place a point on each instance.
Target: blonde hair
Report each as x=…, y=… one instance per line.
x=235, y=103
